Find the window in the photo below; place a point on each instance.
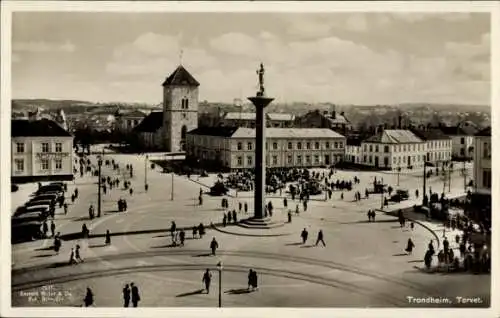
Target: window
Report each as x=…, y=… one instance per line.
x=336, y=145
x=249, y=146
x=487, y=179
x=308, y=145
x=299, y=160
x=327, y=145
x=404, y=148
x=290, y=159
x=316, y=145
x=19, y=165
x=364, y=158
x=240, y=161
x=58, y=147
x=266, y=145
x=275, y=160
x=376, y=148
x=185, y=103
x=371, y=148
x=341, y=144
x=249, y=160
x=386, y=148
x=316, y=158
x=462, y=140
x=58, y=164
x=394, y=160
x=240, y=146
x=275, y=145
x=45, y=164
x=485, y=150
x=19, y=147
x=45, y=147
x=289, y=145
x=299, y=145
x=308, y=159
x=399, y=160
x=364, y=149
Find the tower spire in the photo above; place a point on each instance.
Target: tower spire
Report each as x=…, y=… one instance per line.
x=180, y=56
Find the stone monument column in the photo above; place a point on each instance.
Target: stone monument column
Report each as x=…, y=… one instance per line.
x=260, y=101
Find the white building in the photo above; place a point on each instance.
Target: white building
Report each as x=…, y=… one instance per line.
x=438, y=145
x=392, y=149
x=41, y=150
x=482, y=162
x=462, y=137
x=234, y=148
x=247, y=120
x=125, y=122
x=353, y=151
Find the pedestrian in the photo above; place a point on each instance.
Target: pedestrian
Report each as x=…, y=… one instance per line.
x=72, y=259
x=214, y=245
x=52, y=228
x=297, y=209
x=320, y=238
x=66, y=208
x=77, y=254
x=285, y=202
x=85, y=231
x=246, y=208
x=409, y=246
x=250, y=279
x=146, y=187
x=200, y=200
x=195, y=231
x=304, y=235
x=201, y=230
x=369, y=214
x=45, y=228
x=182, y=236
x=126, y=296
x=342, y=196
x=57, y=245
x=73, y=198
x=431, y=247
x=289, y=216
x=254, y=280
x=207, y=277
x=224, y=220
x=428, y=259
x=173, y=228
x=234, y=216
x=131, y=191
x=76, y=193
x=412, y=225
x=229, y=216
x=373, y=215
x=107, y=240
x=135, y=294
x=89, y=298
x=239, y=207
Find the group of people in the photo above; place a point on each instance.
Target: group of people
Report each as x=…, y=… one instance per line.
x=252, y=280
x=305, y=234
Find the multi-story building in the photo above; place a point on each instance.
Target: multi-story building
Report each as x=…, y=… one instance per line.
x=482, y=162
x=126, y=121
x=393, y=149
x=149, y=131
x=325, y=119
x=40, y=150
x=234, y=148
x=462, y=137
x=353, y=153
x=438, y=145
x=247, y=120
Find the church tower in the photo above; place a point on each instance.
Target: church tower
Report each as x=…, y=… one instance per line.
x=180, y=108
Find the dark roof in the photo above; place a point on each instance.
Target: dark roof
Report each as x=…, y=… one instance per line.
x=214, y=131
x=353, y=141
x=430, y=134
x=181, y=77
x=150, y=123
x=394, y=136
x=37, y=128
x=459, y=131
x=484, y=132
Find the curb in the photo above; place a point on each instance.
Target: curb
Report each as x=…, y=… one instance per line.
x=248, y=235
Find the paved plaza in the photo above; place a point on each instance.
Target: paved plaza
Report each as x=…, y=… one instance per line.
x=363, y=264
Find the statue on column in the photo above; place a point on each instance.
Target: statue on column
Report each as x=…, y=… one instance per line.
x=261, y=72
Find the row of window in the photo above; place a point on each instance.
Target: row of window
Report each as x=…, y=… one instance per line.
x=336, y=145
x=45, y=147
x=275, y=160
x=395, y=160
x=44, y=164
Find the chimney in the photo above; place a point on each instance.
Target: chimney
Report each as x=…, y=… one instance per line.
x=334, y=114
x=400, y=119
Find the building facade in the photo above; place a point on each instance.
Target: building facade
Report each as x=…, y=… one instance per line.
x=462, y=137
x=317, y=119
x=248, y=120
x=438, y=145
x=353, y=153
x=149, y=131
x=125, y=122
x=180, y=108
x=393, y=149
x=482, y=162
x=234, y=148
x=40, y=151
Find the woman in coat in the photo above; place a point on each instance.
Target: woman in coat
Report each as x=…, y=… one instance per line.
x=409, y=246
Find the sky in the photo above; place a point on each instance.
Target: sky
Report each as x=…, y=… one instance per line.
x=343, y=58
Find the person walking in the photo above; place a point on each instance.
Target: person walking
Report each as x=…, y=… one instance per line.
x=409, y=246
x=304, y=235
x=78, y=257
x=72, y=259
x=373, y=215
x=297, y=209
x=285, y=202
x=135, y=294
x=207, y=278
x=173, y=228
x=45, y=228
x=126, y=296
x=234, y=216
x=320, y=238
x=182, y=237
x=201, y=230
x=195, y=231
x=224, y=220
x=57, y=245
x=412, y=225
x=66, y=208
x=246, y=208
x=254, y=280
x=239, y=207
x=85, y=231
x=250, y=279
x=52, y=228
x=214, y=246
x=107, y=239
x=89, y=298
x=369, y=214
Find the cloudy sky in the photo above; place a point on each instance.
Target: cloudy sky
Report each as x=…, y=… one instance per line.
x=346, y=58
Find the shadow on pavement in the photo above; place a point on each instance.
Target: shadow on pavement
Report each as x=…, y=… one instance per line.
x=293, y=244
x=400, y=254
x=196, y=292
x=307, y=246
x=238, y=291
x=97, y=245
x=416, y=261
x=366, y=221
x=203, y=255
x=50, y=248
x=83, y=218
x=163, y=246
x=42, y=255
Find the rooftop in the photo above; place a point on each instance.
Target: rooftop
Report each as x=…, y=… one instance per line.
x=459, y=130
x=430, y=134
x=37, y=128
x=394, y=136
x=486, y=132
x=150, y=123
x=240, y=132
x=180, y=77
x=252, y=116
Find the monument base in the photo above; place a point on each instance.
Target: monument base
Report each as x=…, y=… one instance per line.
x=261, y=223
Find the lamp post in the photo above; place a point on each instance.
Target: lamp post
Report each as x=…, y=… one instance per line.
x=172, y=193
x=382, y=195
x=424, y=203
x=146, y=171
x=219, y=268
x=99, y=163
x=399, y=170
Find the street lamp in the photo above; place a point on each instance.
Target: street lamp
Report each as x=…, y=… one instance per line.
x=399, y=170
x=146, y=171
x=219, y=268
x=424, y=194
x=99, y=163
x=382, y=195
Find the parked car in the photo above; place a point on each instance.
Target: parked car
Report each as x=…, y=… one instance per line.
x=36, y=208
x=39, y=202
x=400, y=195
x=14, y=188
x=28, y=217
x=27, y=231
x=50, y=188
x=219, y=189
x=40, y=197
